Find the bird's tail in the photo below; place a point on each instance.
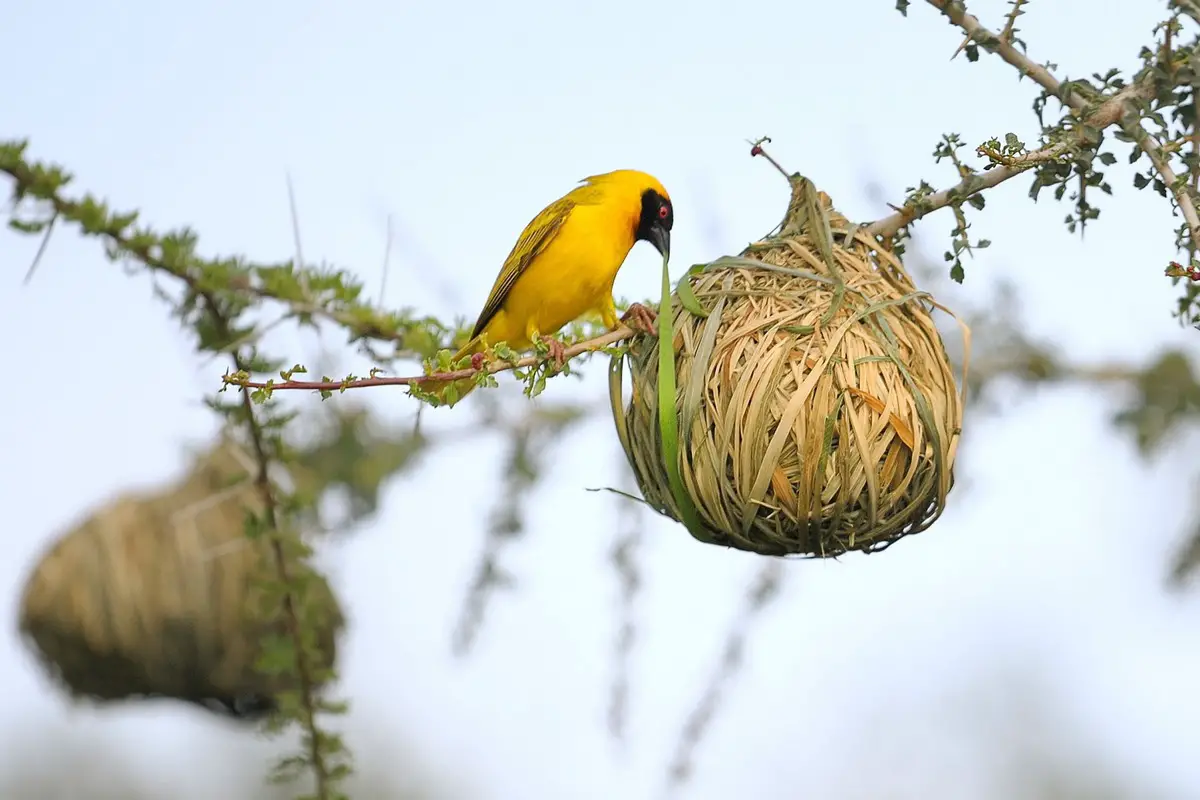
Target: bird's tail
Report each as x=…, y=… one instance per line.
x=462, y=387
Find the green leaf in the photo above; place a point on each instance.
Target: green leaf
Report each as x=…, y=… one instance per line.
x=668, y=419
x=688, y=297
x=957, y=274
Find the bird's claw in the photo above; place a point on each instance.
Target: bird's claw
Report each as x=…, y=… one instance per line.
x=558, y=352
x=640, y=318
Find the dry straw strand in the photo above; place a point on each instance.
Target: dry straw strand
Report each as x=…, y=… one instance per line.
x=155, y=595
x=818, y=410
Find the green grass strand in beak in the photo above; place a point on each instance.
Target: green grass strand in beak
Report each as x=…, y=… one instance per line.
x=668, y=418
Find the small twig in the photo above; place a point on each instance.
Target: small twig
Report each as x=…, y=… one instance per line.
x=303, y=278
x=1010, y=24
x=255, y=333
x=891, y=225
x=756, y=149
x=1023, y=160
x=490, y=368
x=37, y=257
x=387, y=262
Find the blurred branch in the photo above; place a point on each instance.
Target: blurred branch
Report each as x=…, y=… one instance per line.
x=211, y=305
x=313, y=735
x=58, y=760
x=307, y=294
x=1163, y=400
x=354, y=452
x=763, y=590
x=1188, y=7
x=530, y=436
x=624, y=561
x=320, y=747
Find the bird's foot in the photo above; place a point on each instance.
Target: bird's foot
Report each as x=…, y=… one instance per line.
x=558, y=352
x=640, y=318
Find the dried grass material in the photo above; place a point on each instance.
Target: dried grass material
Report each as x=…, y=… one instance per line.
x=817, y=407
x=156, y=594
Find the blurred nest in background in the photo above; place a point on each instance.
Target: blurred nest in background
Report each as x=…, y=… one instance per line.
x=160, y=595
x=817, y=407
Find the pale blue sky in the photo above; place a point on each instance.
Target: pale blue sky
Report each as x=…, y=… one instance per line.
x=463, y=120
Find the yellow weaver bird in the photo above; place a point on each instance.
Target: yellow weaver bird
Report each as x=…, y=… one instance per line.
x=564, y=264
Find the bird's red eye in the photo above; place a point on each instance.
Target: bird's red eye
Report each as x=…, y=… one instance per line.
x=663, y=211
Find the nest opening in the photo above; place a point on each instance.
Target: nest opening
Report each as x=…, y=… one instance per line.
x=818, y=411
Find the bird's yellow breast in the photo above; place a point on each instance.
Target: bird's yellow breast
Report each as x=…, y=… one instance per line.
x=571, y=278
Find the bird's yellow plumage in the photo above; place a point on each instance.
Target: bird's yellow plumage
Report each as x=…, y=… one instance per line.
x=565, y=261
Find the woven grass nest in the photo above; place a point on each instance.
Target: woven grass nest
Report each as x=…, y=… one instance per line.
x=157, y=596
x=817, y=410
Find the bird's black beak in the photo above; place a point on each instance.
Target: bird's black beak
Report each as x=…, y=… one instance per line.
x=660, y=237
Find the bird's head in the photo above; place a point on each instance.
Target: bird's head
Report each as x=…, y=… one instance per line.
x=654, y=225
x=655, y=214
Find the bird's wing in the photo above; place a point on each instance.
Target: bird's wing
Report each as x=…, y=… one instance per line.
x=538, y=234
x=533, y=241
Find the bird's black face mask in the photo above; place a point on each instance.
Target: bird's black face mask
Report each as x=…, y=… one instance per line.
x=656, y=221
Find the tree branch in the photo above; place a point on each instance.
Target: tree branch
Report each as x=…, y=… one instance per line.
x=1112, y=111
x=322, y=773
x=242, y=379
x=1108, y=113
x=956, y=12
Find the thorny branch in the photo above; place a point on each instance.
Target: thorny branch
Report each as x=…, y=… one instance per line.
x=1108, y=113
x=956, y=12
x=1118, y=109
x=242, y=377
